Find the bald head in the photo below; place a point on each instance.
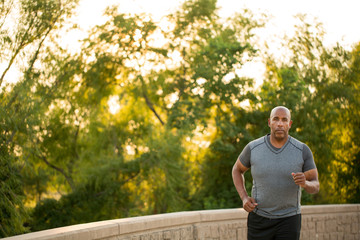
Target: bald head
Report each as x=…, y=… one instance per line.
x=280, y=108
x=279, y=123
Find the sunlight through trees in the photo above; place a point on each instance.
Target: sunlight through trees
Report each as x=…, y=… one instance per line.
x=150, y=117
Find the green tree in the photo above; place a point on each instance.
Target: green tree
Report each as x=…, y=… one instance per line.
x=149, y=117
x=345, y=185
x=211, y=93
x=148, y=144
x=319, y=86
x=24, y=38
x=125, y=160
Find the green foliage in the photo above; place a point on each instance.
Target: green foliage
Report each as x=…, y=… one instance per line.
x=12, y=212
x=103, y=196
x=20, y=109
x=319, y=85
x=132, y=125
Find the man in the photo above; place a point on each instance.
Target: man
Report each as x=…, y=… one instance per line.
x=280, y=167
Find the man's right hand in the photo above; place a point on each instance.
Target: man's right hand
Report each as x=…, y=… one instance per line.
x=249, y=204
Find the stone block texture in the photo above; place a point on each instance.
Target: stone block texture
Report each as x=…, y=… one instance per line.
x=321, y=222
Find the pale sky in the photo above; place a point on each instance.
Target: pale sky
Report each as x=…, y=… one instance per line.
x=340, y=18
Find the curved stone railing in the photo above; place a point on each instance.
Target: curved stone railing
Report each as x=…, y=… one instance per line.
x=318, y=222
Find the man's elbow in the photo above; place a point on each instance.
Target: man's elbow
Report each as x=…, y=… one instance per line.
x=234, y=171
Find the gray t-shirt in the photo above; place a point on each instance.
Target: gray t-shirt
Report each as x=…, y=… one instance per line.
x=273, y=186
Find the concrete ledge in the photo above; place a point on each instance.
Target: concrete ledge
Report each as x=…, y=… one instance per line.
x=334, y=208
x=222, y=214
x=319, y=222
x=160, y=221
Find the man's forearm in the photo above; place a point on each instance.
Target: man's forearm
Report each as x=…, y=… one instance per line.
x=312, y=187
x=239, y=182
x=308, y=180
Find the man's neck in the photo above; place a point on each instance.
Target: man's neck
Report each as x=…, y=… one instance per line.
x=278, y=143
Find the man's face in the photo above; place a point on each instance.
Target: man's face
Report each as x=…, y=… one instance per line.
x=280, y=123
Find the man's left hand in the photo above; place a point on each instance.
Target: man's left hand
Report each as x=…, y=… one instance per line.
x=299, y=179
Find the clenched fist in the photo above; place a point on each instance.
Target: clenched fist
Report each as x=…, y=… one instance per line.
x=249, y=204
x=299, y=179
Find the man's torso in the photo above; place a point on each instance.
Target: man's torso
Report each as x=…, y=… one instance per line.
x=273, y=186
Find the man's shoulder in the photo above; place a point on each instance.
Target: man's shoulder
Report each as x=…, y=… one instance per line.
x=257, y=142
x=297, y=143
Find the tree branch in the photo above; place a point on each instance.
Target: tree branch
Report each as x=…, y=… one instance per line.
x=22, y=44
x=150, y=105
x=32, y=62
x=60, y=170
x=148, y=102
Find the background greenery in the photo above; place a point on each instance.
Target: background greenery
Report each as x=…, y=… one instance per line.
x=66, y=158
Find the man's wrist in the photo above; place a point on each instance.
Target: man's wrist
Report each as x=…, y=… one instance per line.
x=244, y=197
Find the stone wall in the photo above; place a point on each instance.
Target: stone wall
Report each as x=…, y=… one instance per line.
x=333, y=222
x=319, y=222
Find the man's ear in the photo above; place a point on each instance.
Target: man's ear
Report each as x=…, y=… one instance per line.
x=269, y=122
x=290, y=123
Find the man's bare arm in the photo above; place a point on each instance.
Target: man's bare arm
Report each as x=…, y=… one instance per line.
x=238, y=171
x=308, y=180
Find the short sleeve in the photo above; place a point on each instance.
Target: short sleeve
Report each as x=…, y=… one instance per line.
x=309, y=162
x=245, y=156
